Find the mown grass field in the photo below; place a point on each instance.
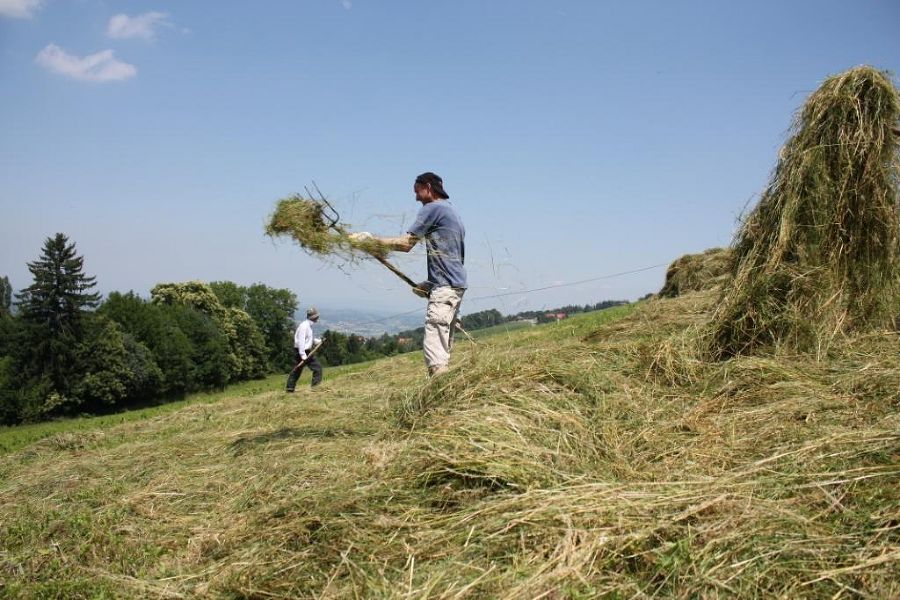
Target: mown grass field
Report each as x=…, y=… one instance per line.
x=593, y=457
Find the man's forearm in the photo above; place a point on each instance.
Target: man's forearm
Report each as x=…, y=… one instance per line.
x=404, y=243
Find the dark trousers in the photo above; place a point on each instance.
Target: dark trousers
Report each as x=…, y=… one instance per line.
x=313, y=363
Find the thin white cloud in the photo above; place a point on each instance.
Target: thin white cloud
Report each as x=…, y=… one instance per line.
x=19, y=9
x=347, y=4
x=141, y=26
x=102, y=66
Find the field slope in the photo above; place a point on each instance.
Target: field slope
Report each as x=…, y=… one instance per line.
x=596, y=456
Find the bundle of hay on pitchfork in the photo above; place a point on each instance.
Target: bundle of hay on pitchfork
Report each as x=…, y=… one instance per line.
x=315, y=224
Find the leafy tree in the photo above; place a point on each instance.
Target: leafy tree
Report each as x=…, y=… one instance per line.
x=210, y=363
x=146, y=379
x=250, y=346
x=389, y=345
x=230, y=294
x=174, y=350
x=200, y=297
x=5, y=296
x=13, y=352
x=102, y=357
x=27, y=391
x=9, y=392
x=115, y=369
x=156, y=327
x=37, y=399
x=20, y=372
x=134, y=314
x=273, y=311
x=196, y=294
x=246, y=357
x=334, y=348
x=483, y=319
x=356, y=345
x=107, y=369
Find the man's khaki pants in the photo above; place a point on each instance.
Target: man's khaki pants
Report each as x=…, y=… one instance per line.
x=440, y=321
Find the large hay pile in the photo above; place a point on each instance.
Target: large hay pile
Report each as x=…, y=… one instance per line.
x=696, y=272
x=303, y=220
x=819, y=255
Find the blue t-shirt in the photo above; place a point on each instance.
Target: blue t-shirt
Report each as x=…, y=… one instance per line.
x=445, y=242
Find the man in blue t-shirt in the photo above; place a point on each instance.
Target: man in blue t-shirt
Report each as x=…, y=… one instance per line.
x=445, y=241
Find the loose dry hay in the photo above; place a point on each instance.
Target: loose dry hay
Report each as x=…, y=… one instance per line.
x=696, y=272
x=530, y=474
x=521, y=427
x=304, y=221
x=571, y=474
x=820, y=255
x=551, y=465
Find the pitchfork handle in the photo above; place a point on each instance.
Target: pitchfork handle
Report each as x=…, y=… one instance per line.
x=395, y=270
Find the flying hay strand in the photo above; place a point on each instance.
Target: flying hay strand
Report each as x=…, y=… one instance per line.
x=819, y=255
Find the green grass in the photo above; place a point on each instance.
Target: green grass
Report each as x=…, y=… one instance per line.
x=13, y=438
x=499, y=329
x=580, y=321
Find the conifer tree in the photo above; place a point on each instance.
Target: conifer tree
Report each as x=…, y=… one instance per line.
x=61, y=291
x=52, y=309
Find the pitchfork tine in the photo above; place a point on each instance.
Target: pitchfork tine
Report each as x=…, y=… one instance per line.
x=332, y=214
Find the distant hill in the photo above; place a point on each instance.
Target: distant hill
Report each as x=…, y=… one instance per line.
x=371, y=323
x=374, y=323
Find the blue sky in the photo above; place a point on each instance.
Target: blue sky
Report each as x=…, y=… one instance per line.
x=577, y=139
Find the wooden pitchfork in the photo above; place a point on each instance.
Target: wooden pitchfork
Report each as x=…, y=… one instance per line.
x=303, y=362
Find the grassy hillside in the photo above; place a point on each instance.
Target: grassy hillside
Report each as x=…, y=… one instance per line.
x=591, y=457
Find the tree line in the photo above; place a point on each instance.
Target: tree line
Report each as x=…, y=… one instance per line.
x=65, y=351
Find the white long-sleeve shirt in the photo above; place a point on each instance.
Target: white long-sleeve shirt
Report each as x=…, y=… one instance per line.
x=303, y=338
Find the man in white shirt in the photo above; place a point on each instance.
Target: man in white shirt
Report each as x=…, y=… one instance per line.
x=304, y=342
